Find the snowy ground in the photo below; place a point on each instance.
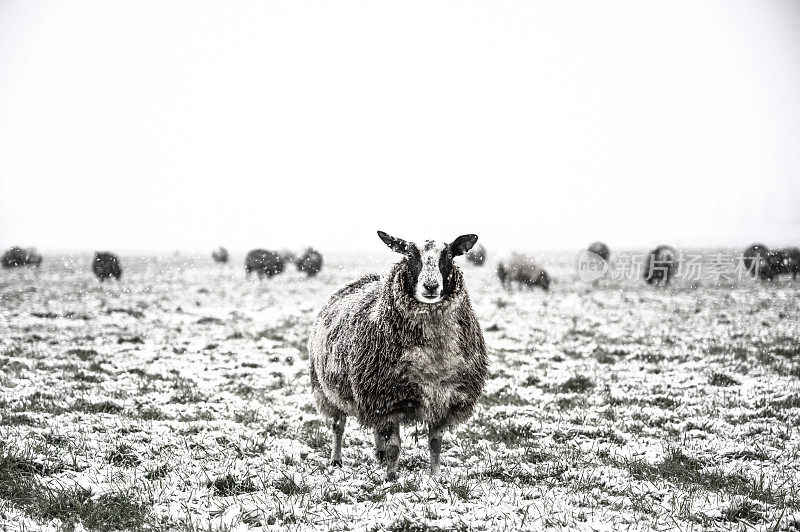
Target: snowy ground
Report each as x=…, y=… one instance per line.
x=179, y=398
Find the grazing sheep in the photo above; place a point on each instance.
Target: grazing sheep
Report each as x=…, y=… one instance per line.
x=17, y=256
x=400, y=349
x=263, y=262
x=310, y=262
x=779, y=262
x=751, y=258
x=477, y=255
x=660, y=265
x=106, y=265
x=601, y=250
x=791, y=262
x=221, y=255
x=523, y=270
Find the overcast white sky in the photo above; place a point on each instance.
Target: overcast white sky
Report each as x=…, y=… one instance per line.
x=184, y=125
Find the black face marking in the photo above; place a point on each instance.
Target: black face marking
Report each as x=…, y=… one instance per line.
x=413, y=269
x=446, y=267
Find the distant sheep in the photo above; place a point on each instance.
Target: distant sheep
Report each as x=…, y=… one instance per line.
x=477, y=255
x=17, y=256
x=263, y=262
x=751, y=258
x=310, y=262
x=601, y=250
x=221, y=255
x=106, y=265
x=400, y=349
x=660, y=265
x=522, y=270
x=779, y=262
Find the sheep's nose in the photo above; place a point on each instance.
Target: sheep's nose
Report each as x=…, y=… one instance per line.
x=430, y=287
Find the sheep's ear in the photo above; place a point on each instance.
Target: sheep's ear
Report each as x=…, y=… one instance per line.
x=463, y=244
x=395, y=244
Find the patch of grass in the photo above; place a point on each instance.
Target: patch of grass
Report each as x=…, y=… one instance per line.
x=691, y=473
x=112, y=511
x=10, y=419
x=722, y=379
x=502, y=397
x=314, y=434
x=576, y=384
x=287, y=485
x=101, y=407
x=158, y=472
x=186, y=392
x=508, y=433
x=124, y=455
x=137, y=339
x=82, y=354
x=209, y=320
x=129, y=311
x=229, y=485
x=334, y=497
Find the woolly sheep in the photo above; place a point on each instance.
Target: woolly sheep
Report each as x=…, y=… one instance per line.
x=106, y=265
x=16, y=256
x=601, y=250
x=400, y=349
x=660, y=265
x=220, y=255
x=523, y=270
x=310, y=262
x=263, y=262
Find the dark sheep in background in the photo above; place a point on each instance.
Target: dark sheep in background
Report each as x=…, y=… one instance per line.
x=784, y=261
x=310, y=262
x=263, y=262
x=601, y=250
x=221, y=255
x=17, y=256
x=751, y=258
x=106, y=265
x=523, y=270
x=660, y=265
x=790, y=262
x=477, y=255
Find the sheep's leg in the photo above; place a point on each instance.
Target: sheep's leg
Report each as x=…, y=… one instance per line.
x=392, y=451
x=380, y=446
x=338, y=431
x=435, y=446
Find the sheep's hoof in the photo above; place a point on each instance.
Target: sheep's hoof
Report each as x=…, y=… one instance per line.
x=337, y=463
x=380, y=456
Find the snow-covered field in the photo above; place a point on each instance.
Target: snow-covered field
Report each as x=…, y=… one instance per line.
x=179, y=398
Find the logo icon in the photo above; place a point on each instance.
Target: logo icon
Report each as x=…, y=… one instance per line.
x=591, y=266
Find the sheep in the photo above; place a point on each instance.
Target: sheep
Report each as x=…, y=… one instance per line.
x=477, y=255
x=310, y=262
x=790, y=262
x=600, y=249
x=220, y=255
x=400, y=349
x=17, y=256
x=263, y=262
x=660, y=265
x=777, y=262
x=523, y=270
x=106, y=265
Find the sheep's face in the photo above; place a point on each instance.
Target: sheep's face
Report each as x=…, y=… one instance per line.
x=429, y=268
